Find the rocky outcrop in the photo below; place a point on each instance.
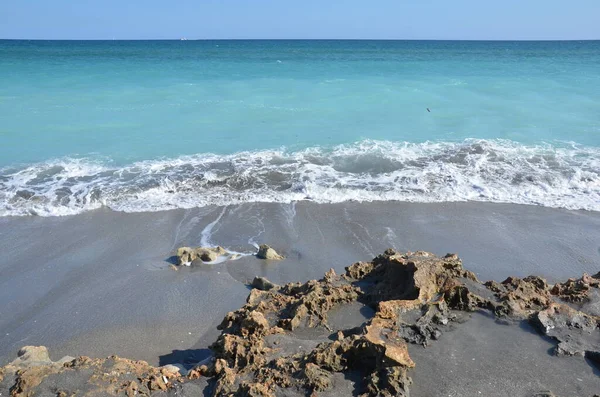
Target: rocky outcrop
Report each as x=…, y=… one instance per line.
x=576, y=290
x=413, y=297
x=32, y=356
x=406, y=290
x=187, y=255
x=576, y=332
x=268, y=253
x=33, y=373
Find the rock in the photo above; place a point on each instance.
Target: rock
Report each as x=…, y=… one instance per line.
x=576, y=332
x=318, y=378
x=210, y=254
x=32, y=356
x=263, y=284
x=410, y=276
x=576, y=290
x=186, y=255
x=395, y=352
x=170, y=369
x=110, y=376
x=268, y=253
x=520, y=298
x=412, y=297
x=255, y=390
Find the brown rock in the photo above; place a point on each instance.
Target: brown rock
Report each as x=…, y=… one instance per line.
x=520, y=297
x=263, y=284
x=576, y=290
x=185, y=256
x=414, y=294
x=169, y=370
x=317, y=379
x=132, y=388
x=268, y=253
x=379, y=333
x=210, y=254
x=32, y=355
x=28, y=379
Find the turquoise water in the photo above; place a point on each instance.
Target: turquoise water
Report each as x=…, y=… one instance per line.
x=119, y=124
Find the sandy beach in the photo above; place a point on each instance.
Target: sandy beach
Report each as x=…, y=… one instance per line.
x=100, y=283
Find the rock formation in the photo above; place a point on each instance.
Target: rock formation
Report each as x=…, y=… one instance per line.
x=33, y=373
x=186, y=255
x=263, y=284
x=268, y=253
x=414, y=296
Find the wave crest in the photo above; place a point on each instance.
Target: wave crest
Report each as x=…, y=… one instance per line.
x=474, y=170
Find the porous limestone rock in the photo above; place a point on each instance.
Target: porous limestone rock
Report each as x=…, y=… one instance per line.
x=32, y=356
x=414, y=296
x=263, y=284
x=187, y=255
x=268, y=253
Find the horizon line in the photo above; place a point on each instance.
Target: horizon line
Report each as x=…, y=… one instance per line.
x=288, y=39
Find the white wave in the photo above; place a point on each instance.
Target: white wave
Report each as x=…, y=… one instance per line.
x=566, y=176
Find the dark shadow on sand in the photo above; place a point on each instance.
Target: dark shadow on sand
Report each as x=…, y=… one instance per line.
x=593, y=359
x=358, y=378
x=367, y=312
x=172, y=260
x=526, y=326
x=188, y=358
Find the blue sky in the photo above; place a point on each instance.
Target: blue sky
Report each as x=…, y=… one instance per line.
x=375, y=19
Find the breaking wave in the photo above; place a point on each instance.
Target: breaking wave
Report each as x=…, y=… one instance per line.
x=565, y=176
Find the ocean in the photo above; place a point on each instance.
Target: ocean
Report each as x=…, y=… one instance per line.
x=141, y=126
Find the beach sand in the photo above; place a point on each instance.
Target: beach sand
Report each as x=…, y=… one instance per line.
x=99, y=283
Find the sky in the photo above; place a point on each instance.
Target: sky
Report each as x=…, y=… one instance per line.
x=305, y=19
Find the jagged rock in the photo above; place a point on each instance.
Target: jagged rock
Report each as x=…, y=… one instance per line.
x=170, y=369
x=268, y=253
x=576, y=332
x=576, y=290
x=520, y=297
x=32, y=356
x=414, y=295
x=317, y=379
x=431, y=318
x=210, y=254
x=263, y=284
x=110, y=376
x=411, y=276
x=255, y=390
x=380, y=334
x=186, y=255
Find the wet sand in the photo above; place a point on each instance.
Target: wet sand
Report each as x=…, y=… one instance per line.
x=99, y=283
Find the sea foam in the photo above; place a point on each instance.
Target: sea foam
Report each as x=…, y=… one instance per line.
x=559, y=175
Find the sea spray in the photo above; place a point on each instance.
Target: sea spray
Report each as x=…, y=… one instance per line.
x=553, y=175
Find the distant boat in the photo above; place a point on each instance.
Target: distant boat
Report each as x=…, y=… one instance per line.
x=183, y=38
